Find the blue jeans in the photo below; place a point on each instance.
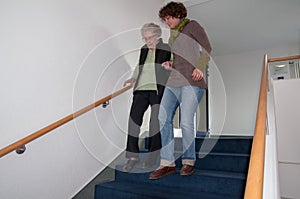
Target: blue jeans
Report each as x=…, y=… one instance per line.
x=188, y=97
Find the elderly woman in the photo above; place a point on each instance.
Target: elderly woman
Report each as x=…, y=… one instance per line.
x=185, y=87
x=149, y=78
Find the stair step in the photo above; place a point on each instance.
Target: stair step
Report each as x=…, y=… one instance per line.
x=222, y=174
x=222, y=144
x=128, y=190
x=221, y=161
x=144, y=173
x=203, y=181
x=231, y=162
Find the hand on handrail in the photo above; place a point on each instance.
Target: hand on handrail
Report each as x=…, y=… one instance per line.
x=129, y=81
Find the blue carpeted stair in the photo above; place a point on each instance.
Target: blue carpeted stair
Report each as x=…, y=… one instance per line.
x=222, y=165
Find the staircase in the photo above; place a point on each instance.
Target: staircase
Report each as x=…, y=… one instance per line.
x=221, y=170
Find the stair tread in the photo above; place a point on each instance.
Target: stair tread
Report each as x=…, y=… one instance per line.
x=210, y=181
x=222, y=174
x=207, y=172
x=219, y=145
x=147, y=190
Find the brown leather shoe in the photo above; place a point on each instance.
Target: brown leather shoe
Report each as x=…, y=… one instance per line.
x=187, y=170
x=161, y=172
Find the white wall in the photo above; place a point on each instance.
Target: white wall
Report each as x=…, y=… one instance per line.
x=271, y=187
x=286, y=98
x=241, y=74
x=57, y=56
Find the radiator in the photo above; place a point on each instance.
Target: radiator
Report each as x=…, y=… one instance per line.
x=297, y=69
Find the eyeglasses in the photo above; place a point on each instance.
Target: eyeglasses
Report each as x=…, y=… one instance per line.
x=150, y=38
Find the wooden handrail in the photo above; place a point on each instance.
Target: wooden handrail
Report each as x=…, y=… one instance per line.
x=60, y=122
x=254, y=185
x=284, y=58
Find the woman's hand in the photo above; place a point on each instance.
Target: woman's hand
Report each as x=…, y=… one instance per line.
x=167, y=65
x=197, y=74
x=129, y=81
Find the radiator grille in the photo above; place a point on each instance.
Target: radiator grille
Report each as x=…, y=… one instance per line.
x=297, y=69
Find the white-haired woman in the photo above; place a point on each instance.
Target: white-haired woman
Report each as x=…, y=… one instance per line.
x=149, y=78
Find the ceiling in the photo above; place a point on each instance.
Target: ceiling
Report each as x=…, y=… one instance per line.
x=235, y=26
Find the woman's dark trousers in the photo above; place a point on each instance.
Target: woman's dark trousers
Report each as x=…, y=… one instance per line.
x=141, y=102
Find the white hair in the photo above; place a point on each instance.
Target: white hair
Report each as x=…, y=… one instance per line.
x=151, y=27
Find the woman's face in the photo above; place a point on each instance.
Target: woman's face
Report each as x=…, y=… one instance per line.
x=172, y=22
x=150, y=39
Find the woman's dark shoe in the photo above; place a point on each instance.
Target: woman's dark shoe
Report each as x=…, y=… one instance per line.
x=151, y=160
x=187, y=170
x=130, y=164
x=161, y=172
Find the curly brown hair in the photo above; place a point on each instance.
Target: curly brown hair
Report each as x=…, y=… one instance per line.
x=173, y=9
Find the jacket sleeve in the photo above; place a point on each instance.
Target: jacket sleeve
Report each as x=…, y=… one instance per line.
x=202, y=61
x=200, y=36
